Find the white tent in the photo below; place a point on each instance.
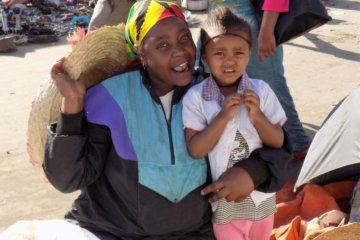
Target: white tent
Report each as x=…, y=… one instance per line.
x=337, y=143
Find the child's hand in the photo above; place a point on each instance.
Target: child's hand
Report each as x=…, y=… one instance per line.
x=252, y=103
x=231, y=103
x=266, y=44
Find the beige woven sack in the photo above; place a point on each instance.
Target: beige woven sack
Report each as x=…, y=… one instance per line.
x=99, y=55
x=346, y=232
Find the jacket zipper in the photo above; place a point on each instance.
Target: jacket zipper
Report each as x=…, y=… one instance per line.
x=168, y=124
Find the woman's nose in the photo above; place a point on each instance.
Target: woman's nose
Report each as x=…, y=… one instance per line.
x=178, y=50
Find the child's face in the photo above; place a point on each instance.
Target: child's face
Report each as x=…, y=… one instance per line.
x=227, y=57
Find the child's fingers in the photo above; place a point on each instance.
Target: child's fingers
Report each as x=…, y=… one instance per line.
x=232, y=99
x=251, y=99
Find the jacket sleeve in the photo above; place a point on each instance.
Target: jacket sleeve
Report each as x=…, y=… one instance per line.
x=271, y=168
x=75, y=152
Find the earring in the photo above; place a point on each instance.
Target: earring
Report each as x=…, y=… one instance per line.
x=144, y=65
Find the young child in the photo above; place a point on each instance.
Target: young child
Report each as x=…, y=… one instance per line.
x=229, y=115
x=266, y=62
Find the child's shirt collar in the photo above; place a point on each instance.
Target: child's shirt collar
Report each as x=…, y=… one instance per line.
x=211, y=91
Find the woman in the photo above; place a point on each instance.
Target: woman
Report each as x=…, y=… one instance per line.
x=122, y=144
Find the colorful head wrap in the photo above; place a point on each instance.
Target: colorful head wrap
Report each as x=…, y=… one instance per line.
x=142, y=17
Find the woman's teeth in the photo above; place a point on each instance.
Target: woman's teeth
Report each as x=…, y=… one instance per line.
x=182, y=67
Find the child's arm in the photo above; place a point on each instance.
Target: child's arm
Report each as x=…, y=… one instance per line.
x=271, y=135
x=200, y=143
x=266, y=38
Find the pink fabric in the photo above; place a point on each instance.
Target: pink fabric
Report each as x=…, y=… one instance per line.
x=276, y=5
x=244, y=229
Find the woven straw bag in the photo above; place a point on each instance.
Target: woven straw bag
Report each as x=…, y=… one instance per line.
x=97, y=56
x=346, y=232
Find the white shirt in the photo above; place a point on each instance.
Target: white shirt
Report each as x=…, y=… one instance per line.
x=198, y=113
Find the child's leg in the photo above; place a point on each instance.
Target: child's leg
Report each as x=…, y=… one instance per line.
x=261, y=230
x=234, y=230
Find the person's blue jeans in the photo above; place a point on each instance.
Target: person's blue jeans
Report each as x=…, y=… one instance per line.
x=271, y=70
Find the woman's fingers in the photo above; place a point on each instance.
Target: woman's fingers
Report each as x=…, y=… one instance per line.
x=266, y=52
x=235, y=184
x=212, y=188
x=57, y=67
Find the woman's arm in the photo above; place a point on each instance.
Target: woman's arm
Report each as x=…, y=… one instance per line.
x=266, y=169
x=75, y=152
x=266, y=38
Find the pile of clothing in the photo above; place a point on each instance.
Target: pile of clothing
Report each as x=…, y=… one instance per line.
x=326, y=204
x=41, y=21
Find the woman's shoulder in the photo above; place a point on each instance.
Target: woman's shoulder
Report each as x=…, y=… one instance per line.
x=117, y=83
x=129, y=74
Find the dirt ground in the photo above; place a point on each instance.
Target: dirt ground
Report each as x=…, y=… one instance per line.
x=322, y=67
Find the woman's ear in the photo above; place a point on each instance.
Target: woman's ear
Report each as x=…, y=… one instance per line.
x=140, y=53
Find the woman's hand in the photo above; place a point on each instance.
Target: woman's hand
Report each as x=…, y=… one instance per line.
x=73, y=92
x=266, y=38
x=233, y=185
x=266, y=44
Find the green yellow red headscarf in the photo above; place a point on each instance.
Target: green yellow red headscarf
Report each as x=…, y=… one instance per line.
x=143, y=15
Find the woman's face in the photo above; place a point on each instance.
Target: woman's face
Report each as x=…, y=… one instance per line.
x=168, y=53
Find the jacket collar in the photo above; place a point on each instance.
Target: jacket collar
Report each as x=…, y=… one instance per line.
x=178, y=91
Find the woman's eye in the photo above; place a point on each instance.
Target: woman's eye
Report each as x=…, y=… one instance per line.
x=185, y=38
x=162, y=45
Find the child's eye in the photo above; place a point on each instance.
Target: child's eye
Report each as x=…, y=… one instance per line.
x=218, y=54
x=237, y=53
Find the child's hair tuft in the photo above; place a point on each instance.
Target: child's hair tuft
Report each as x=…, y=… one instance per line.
x=221, y=19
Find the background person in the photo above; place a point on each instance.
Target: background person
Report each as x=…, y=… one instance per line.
x=110, y=12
